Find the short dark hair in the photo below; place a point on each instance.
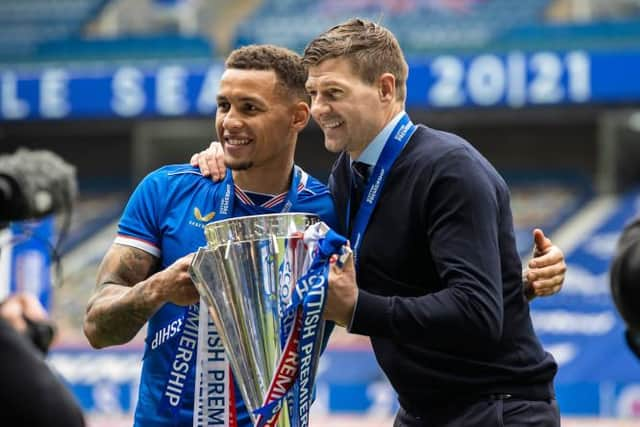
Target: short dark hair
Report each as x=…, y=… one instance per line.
x=370, y=48
x=287, y=65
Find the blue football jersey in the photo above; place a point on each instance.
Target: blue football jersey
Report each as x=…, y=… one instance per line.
x=165, y=217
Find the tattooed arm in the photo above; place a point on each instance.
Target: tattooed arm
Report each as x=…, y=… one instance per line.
x=129, y=291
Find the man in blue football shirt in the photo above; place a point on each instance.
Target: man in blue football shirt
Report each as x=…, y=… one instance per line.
x=144, y=278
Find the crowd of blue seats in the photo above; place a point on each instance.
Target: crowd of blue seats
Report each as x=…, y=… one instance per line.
x=545, y=200
x=419, y=28
x=619, y=34
x=53, y=29
x=25, y=24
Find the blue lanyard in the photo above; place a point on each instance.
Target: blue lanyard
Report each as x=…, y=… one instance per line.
x=394, y=145
x=226, y=196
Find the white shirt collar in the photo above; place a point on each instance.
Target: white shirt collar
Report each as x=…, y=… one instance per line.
x=371, y=153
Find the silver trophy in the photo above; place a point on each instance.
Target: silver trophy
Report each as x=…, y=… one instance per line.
x=239, y=277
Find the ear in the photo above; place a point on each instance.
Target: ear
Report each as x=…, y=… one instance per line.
x=387, y=87
x=300, y=116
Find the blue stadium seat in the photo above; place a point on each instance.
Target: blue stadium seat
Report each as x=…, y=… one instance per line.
x=28, y=23
x=50, y=30
x=545, y=201
x=419, y=28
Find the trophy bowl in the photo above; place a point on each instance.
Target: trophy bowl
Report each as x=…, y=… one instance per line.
x=239, y=275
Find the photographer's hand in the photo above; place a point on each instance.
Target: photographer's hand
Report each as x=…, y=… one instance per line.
x=19, y=307
x=28, y=317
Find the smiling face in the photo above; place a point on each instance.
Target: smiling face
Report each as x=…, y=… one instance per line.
x=254, y=120
x=349, y=111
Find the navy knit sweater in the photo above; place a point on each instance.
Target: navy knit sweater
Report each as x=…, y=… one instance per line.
x=440, y=279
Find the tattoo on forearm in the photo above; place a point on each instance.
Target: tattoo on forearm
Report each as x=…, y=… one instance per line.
x=120, y=307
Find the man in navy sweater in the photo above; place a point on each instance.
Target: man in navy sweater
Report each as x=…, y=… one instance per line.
x=438, y=285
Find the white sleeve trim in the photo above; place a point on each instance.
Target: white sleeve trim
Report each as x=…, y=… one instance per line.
x=138, y=243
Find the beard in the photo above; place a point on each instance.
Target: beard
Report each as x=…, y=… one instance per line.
x=240, y=165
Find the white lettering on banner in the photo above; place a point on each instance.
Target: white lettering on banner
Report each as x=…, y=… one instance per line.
x=184, y=354
x=286, y=370
x=603, y=246
x=545, y=87
x=165, y=333
x=579, y=72
x=306, y=283
x=580, y=281
x=129, y=97
x=305, y=372
x=285, y=376
x=447, y=90
x=216, y=379
x=54, y=94
x=105, y=399
x=516, y=79
x=382, y=398
x=90, y=368
x=487, y=80
x=207, y=102
x=311, y=322
x=216, y=402
x=564, y=322
x=11, y=106
x=171, y=92
x=211, y=398
x=216, y=349
x=563, y=352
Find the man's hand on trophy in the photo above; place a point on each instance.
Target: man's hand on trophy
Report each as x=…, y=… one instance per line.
x=177, y=286
x=545, y=273
x=343, y=291
x=210, y=161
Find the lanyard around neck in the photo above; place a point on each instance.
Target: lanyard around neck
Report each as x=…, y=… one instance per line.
x=394, y=145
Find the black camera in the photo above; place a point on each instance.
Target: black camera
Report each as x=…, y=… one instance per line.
x=625, y=283
x=34, y=184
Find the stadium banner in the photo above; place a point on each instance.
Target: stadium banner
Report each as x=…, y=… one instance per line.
x=513, y=79
x=105, y=383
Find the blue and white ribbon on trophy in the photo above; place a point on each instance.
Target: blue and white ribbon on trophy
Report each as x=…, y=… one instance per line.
x=301, y=327
x=212, y=365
